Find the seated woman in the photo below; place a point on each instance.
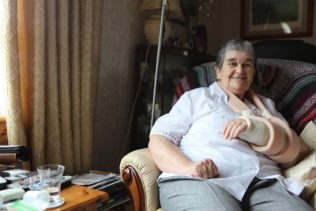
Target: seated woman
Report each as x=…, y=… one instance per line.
x=221, y=147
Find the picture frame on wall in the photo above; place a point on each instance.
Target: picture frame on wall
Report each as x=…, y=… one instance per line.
x=265, y=19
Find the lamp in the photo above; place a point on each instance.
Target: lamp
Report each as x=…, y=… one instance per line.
x=155, y=9
x=152, y=9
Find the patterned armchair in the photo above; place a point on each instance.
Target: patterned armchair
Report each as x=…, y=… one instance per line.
x=292, y=86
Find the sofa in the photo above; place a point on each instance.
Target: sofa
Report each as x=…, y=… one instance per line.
x=286, y=72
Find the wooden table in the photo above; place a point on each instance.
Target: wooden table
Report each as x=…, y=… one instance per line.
x=80, y=198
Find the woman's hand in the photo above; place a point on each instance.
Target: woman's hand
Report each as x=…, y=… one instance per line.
x=169, y=158
x=234, y=128
x=205, y=169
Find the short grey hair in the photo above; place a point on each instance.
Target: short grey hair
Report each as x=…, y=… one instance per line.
x=235, y=44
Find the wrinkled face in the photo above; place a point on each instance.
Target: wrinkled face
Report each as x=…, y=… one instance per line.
x=237, y=72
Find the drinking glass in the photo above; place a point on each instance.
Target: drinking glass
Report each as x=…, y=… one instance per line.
x=50, y=180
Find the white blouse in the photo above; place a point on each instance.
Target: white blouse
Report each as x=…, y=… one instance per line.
x=195, y=125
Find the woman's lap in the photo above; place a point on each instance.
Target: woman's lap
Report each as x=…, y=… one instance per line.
x=192, y=194
x=271, y=195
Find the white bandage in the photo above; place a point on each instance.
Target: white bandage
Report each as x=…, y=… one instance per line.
x=257, y=132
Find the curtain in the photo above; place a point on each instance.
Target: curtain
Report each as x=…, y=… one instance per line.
x=51, y=75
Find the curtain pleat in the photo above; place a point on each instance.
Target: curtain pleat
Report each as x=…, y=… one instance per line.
x=97, y=30
x=38, y=96
x=86, y=79
x=26, y=59
x=65, y=83
x=16, y=133
x=75, y=81
x=53, y=131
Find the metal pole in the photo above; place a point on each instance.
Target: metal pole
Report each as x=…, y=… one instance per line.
x=163, y=6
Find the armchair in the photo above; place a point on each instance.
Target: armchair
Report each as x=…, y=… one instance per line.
x=290, y=83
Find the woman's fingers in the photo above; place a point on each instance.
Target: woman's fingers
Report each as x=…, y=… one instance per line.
x=205, y=169
x=215, y=170
x=233, y=128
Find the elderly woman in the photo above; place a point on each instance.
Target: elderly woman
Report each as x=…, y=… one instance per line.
x=220, y=147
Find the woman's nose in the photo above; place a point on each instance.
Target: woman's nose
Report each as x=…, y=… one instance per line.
x=239, y=68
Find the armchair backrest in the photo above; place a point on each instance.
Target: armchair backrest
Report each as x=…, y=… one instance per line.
x=296, y=50
x=291, y=84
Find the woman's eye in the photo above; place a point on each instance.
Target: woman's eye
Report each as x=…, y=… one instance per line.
x=247, y=65
x=232, y=64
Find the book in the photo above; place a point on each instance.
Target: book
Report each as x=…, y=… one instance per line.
x=112, y=184
x=104, y=183
x=8, y=158
x=21, y=152
x=89, y=179
x=112, y=203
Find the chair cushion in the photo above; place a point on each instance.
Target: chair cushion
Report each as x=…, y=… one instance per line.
x=305, y=170
x=312, y=201
x=308, y=135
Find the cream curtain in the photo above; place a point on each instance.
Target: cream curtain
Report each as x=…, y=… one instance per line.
x=52, y=74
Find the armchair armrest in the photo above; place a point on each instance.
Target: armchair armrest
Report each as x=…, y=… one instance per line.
x=140, y=173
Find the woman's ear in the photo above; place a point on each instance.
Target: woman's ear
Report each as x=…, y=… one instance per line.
x=217, y=73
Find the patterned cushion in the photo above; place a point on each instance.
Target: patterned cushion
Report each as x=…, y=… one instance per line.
x=291, y=84
x=200, y=76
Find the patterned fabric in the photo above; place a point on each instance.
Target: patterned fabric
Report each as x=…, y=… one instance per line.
x=200, y=76
x=291, y=84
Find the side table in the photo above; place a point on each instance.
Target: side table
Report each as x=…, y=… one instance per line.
x=81, y=198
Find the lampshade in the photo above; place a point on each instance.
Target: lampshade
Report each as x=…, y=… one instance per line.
x=151, y=30
x=149, y=8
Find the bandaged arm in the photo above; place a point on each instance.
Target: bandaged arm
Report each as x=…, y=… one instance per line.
x=280, y=143
x=257, y=132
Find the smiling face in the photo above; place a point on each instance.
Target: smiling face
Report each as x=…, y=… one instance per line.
x=237, y=72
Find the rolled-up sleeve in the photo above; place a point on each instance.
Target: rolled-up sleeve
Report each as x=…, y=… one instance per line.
x=177, y=122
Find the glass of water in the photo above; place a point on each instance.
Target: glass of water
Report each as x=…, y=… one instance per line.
x=50, y=179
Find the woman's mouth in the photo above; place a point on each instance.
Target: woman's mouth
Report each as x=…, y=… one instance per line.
x=238, y=77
